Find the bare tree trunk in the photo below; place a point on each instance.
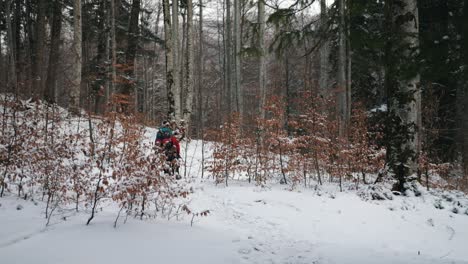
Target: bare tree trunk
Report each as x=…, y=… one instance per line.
x=169, y=45
x=324, y=51
x=403, y=92
x=348, y=65
x=228, y=56
x=262, y=62
x=112, y=87
x=237, y=58
x=189, y=67
x=77, y=59
x=176, y=61
x=49, y=91
x=29, y=46
x=12, y=81
x=201, y=70
x=132, y=43
x=464, y=48
x=40, y=49
x=341, y=78
x=409, y=114
x=16, y=29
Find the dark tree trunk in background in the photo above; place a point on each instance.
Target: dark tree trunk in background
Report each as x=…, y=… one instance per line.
x=343, y=103
x=262, y=78
x=464, y=48
x=228, y=55
x=16, y=26
x=29, y=42
x=437, y=78
x=100, y=65
x=56, y=28
x=132, y=44
x=38, y=62
x=12, y=81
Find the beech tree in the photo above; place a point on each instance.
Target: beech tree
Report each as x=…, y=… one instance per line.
x=75, y=86
x=402, y=84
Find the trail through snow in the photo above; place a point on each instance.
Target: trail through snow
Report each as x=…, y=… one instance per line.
x=246, y=225
x=279, y=226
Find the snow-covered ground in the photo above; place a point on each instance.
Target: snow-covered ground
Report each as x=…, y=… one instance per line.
x=247, y=224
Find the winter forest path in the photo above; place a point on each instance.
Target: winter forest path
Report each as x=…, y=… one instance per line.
x=280, y=226
x=246, y=225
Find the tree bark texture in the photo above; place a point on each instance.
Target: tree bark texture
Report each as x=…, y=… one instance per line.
x=55, y=40
x=189, y=60
x=40, y=49
x=168, y=44
x=75, y=86
x=262, y=53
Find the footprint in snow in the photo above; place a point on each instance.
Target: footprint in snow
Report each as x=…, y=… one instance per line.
x=245, y=251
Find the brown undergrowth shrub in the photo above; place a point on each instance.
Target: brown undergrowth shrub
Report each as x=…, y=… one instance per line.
x=301, y=147
x=82, y=161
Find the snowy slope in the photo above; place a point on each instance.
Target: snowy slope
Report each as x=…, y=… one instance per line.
x=301, y=227
x=247, y=225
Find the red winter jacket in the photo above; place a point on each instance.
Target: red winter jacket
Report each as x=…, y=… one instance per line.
x=172, y=139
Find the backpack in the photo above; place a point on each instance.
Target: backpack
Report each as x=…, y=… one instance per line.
x=164, y=133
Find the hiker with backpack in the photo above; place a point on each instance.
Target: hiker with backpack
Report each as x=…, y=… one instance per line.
x=167, y=142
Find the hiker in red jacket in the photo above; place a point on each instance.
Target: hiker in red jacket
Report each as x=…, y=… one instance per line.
x=166, y=140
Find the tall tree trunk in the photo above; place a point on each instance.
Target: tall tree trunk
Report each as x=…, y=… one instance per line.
x=341, y=78
x=237, y=58
x=169, y=45
x=29, y=46
x=132, y=43
x=112, y=87
x=75, y=86
x=16, y=27
x=228, y=60
x=176, y=90
x=403, y=91
x=201, y=70
x=464, y=49
x=324, y=50
x=40, y=49
x=189, y=67
x=262, y=53
x=182, y=60
x=49, y=91
x=102, y=56
x=12, y=81
x=348, y=64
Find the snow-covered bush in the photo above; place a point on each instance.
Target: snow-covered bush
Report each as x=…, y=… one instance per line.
x=298, y=148
x=80, y=161
x=375, y=192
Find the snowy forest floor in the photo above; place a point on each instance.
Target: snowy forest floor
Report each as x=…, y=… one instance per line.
x=246, y=225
